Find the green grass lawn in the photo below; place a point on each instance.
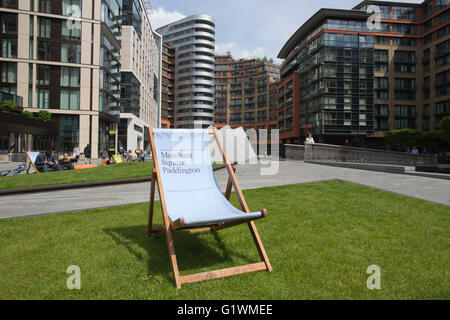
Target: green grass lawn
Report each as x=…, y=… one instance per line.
x=320, y=238
x=101, y=173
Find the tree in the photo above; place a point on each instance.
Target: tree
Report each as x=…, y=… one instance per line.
x=445, y=127
x=404, y=138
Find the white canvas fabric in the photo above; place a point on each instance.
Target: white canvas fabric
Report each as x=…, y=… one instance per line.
x=33, y=156
x=236, y=144
x=190, y=188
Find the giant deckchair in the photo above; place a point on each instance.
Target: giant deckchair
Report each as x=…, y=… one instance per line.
x=191, y=200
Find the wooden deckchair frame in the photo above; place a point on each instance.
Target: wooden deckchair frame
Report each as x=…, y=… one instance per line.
x=31, y=164
x=170, y=228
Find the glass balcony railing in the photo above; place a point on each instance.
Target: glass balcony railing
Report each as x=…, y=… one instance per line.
x=4, y=96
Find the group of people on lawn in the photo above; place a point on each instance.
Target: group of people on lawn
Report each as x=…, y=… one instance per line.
x=46, y=161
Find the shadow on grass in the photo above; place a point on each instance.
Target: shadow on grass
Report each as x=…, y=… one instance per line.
x=194, y=251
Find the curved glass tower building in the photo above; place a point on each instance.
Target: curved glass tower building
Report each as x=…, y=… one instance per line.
x=193, y=39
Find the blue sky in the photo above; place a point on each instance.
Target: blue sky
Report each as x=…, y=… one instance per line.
x=248, y=28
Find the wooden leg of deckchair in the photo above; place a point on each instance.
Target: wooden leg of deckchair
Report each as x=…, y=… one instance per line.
x=223, y=273
x=173, y=257
x=152, y=204
x=29, y=167
x=228, y=190
x=229, y=186
x=158, y=231
x=169, y=236
x=259, y=245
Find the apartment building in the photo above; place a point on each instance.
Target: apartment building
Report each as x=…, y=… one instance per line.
x=354, y=79
x=64, y=56
x=245, y=93
x=193, y=39
x=140, y=77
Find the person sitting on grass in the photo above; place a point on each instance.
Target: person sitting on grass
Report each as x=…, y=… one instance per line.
x=67, y=163
x=46, y=162
x=130, y=156
x=140, y=155
x=111, y=161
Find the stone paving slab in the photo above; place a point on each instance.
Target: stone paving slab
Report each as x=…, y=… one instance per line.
x=249, y=176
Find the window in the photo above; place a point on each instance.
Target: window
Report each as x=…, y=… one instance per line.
x=442, y=32
x=404, y=111
x=382, y=40
x=408, y=42
x=403, y=28
x=44, y=27
x=404, y=116
x=381, y=110
x=403, y=13
x=43, y=75
x=381, y=83
x=442, y=53
x=42, y=98
x=8, y=72
x=405, y=84
x=443, y=83
x=70, y=77
x=71, y=8
x=11, y=4
x=70, y=53
x=45, y=6
x=70, y=100
x=8, y=23
x=405, y=61
x=68, y=132
x=405, y=89
x=70, y=33
x=426, y=60
x=43, y=51
x=426, y=87
x=9, y=48
x=381, y=56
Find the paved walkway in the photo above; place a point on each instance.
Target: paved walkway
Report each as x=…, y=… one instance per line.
x=290, y=172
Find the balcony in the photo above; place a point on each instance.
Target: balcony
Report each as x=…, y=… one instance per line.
x=4, y=96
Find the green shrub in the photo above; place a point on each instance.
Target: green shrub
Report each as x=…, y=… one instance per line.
x=44, y=115
x=8, y=106
x=28, y=114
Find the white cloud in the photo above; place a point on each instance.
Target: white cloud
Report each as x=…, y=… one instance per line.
x=160, y=17
x=223, y=48
x=242, y=53
x=256, y=52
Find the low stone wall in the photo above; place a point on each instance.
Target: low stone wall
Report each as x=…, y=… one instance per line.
x=4, y=157
x=327, y=152
x=18, y=157
x=294, y=152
